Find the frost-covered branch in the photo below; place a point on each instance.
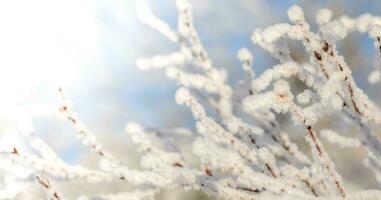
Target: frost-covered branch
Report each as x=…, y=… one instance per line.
x=238, y=148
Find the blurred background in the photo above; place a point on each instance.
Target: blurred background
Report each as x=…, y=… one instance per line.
x=90, y=47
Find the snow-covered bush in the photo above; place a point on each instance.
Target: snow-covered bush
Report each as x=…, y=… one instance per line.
x=239, y=149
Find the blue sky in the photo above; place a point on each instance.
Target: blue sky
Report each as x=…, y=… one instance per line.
x=90, y=48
